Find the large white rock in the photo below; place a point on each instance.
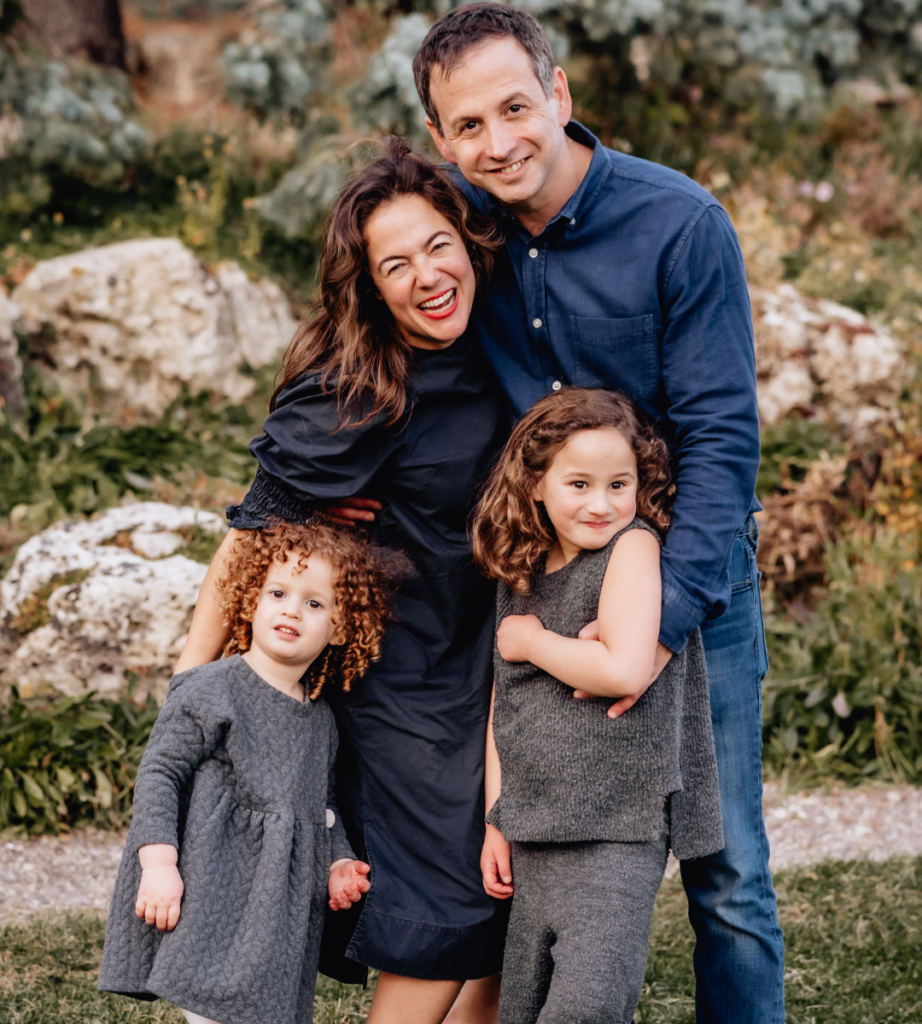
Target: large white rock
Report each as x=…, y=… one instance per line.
x=129, y=324
x=127, y=608
x=824, y=358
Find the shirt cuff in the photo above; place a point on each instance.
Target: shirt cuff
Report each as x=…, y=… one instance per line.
x=680, y=616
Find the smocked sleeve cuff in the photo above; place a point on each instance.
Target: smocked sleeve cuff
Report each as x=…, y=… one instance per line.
x=267, y=501
x=680, y=616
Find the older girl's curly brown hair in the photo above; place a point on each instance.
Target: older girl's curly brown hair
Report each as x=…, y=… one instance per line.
x=511, y=533
x=363, y=578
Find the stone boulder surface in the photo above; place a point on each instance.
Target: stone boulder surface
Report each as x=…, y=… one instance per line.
x=129, y=324
x=85, y=603
x=824, y=359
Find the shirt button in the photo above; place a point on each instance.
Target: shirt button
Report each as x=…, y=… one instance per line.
x=533, y=253
x=556, y=386
x=573, y=221
x=536, y=322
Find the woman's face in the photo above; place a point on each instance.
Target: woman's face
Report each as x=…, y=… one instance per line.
x=421, y=270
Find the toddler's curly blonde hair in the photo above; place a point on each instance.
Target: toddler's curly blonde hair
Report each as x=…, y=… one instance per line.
x=363, y=579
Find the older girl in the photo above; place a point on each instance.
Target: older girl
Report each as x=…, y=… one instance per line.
x=384, y=394
x=570, y=525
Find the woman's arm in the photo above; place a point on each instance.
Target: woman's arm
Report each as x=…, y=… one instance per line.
x=208, y=634
x=494, y=861
x=621, y=662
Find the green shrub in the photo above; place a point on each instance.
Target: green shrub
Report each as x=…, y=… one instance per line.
x=71, y=762
x=788, y=449
x=52, y=464
x=844, y=691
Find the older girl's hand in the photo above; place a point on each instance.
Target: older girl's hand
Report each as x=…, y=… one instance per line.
x=515, y=636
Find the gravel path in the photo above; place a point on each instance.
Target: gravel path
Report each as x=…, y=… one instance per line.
x=78, y=871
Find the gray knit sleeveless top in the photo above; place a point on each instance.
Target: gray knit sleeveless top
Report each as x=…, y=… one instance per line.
x=570, y=773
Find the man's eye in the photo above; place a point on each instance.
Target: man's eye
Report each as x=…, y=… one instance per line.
x=515, y=108
x=469, y=127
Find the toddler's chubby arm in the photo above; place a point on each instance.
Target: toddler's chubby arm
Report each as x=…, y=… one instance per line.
x=161, y=888
x=621, y=662
x=348, y=882
x=495, y=862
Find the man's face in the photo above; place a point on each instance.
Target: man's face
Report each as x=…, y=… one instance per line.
x=500, y=128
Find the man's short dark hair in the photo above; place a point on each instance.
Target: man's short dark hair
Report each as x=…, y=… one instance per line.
x=466, y=27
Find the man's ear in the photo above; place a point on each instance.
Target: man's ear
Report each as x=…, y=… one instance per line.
x=440, y=144
x=561, y=93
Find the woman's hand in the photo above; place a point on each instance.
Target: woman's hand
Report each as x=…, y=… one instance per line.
x=349, y=511
x=515, y=636
x=161, y=888
x=348, y=881
x=496, y=864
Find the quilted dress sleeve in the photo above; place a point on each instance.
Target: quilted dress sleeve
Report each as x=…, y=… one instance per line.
x=188, y=730
x=339, y=843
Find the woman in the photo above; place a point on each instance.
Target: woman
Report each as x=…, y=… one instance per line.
x=383, y=394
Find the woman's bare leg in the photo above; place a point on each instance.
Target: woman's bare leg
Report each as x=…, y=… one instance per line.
x=399, y=1000
x=478, y=1002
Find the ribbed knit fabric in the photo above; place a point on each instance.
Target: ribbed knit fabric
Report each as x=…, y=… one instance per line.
x=570, y=773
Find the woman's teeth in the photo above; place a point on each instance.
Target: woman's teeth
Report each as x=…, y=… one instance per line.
x=441, y=301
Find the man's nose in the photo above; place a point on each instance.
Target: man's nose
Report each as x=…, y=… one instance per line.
x=500, y=141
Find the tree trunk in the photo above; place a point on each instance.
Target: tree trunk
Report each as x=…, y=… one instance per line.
x=88, y=29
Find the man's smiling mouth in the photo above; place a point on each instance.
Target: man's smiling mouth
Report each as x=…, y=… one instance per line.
x=511, y=168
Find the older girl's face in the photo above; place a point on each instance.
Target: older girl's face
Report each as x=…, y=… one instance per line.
x=421, y=270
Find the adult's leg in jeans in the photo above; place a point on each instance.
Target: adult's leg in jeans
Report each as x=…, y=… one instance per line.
x=739, y=954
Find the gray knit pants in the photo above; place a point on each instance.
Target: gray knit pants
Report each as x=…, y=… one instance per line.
x=576, y=948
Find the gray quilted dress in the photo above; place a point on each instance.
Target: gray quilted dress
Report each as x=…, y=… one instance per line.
x=237, y=776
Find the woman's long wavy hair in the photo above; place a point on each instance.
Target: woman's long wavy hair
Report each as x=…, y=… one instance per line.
x=353, y=341
x=363, y=579
x=511, y=533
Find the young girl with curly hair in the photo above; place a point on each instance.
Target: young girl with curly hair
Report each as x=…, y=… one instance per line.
x=236, y=844
x=582, y=809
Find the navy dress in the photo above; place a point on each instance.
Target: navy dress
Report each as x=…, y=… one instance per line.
x=412, y=732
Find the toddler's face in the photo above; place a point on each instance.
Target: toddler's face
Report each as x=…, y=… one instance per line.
x=293, y=621
x=590, y=489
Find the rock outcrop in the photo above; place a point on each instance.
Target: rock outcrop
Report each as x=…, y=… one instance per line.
x=85, y=603
x=128, y=325
x=824, y=359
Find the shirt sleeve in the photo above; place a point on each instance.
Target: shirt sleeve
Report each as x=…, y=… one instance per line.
x=306, y=459
x=186, y=733
x=709, y=374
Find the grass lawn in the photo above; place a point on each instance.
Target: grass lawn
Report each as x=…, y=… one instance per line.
x=853, y=932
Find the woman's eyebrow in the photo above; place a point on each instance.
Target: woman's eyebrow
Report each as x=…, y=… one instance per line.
x=426, y=245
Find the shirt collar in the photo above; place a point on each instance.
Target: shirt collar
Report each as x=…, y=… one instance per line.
x=582, y=199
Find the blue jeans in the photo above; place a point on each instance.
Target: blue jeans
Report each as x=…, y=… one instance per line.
x=739, y=953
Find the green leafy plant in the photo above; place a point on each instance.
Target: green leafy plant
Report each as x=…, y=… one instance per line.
x=844, y=692
x=788, y=448
x=71, y=762
x=53, y=464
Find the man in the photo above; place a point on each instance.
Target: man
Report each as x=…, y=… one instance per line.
x=624, y=274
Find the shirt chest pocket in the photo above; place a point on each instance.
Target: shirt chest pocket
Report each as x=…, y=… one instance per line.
x=616, y=353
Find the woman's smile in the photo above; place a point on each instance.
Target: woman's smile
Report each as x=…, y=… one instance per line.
x=441, y=306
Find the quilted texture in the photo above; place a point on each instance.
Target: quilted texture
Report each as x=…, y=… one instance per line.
x=570, y=773
x=237, y=776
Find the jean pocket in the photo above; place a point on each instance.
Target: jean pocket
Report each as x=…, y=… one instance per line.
x=616, y=353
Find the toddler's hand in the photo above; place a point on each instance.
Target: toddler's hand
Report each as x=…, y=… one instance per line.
x=348, y=880
x=496, y=864
x=515, y=636
x=161, y=888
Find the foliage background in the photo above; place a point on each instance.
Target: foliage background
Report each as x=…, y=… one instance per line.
x=802, y=116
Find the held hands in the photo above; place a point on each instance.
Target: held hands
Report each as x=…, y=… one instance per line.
x=348, y=881
x=161, y=888
x=660, y=661
x=350, y=511
x=516, y=635
x=496, y=864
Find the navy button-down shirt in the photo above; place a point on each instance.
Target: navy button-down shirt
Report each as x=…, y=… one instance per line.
x=638, y=284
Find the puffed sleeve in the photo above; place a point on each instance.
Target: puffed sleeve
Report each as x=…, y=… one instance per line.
x=306, y=459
